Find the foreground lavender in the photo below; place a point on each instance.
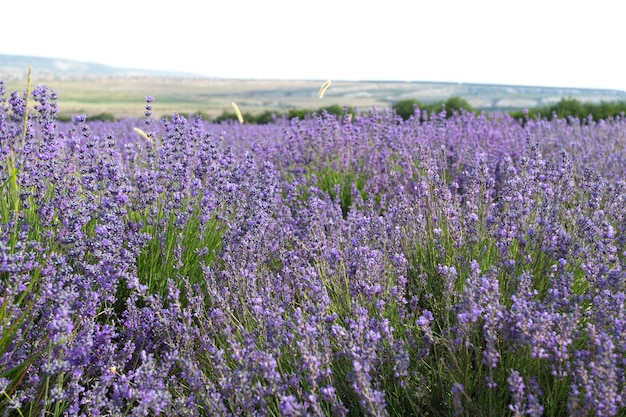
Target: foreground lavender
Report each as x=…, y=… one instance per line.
x=366, y=266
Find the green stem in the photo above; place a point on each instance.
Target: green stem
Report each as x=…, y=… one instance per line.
x=30, y=68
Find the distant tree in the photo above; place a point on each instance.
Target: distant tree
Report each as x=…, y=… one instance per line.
x=266, y=117
x=298, y=113
x=335, y=109
x=604, y=110
x=406, y=108
x=102, y=117
x=225, y=116
x=455, y=104
x=568, y=108
x=200, y=114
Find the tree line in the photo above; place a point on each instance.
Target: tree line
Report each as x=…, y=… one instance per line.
x=565, y=108
x=570, y=107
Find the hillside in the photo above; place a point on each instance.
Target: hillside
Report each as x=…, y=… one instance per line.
x=94, y=88
x=13, y=67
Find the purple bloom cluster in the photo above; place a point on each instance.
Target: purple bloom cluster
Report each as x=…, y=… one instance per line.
x=471, y=265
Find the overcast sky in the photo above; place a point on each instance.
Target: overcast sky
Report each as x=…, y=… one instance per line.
x=529, y=42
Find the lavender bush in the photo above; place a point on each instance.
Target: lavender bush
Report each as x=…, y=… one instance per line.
x=367, y=265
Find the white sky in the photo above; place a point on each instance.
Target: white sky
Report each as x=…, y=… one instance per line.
x=530, y=42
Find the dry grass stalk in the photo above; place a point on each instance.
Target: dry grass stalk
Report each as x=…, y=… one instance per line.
x=237, y=112
x=143, y=134
x=324, y=88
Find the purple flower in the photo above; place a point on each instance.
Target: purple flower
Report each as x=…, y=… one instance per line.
x=457, y=392
x=289, y=406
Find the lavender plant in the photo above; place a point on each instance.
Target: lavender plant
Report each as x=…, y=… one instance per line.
x=367, y=265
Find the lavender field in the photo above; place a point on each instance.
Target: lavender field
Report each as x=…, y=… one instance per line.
x=442, y=266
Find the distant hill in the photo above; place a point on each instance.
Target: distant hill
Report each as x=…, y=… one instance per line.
x=508, y=97
x=15, y=67
x=93, y=88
